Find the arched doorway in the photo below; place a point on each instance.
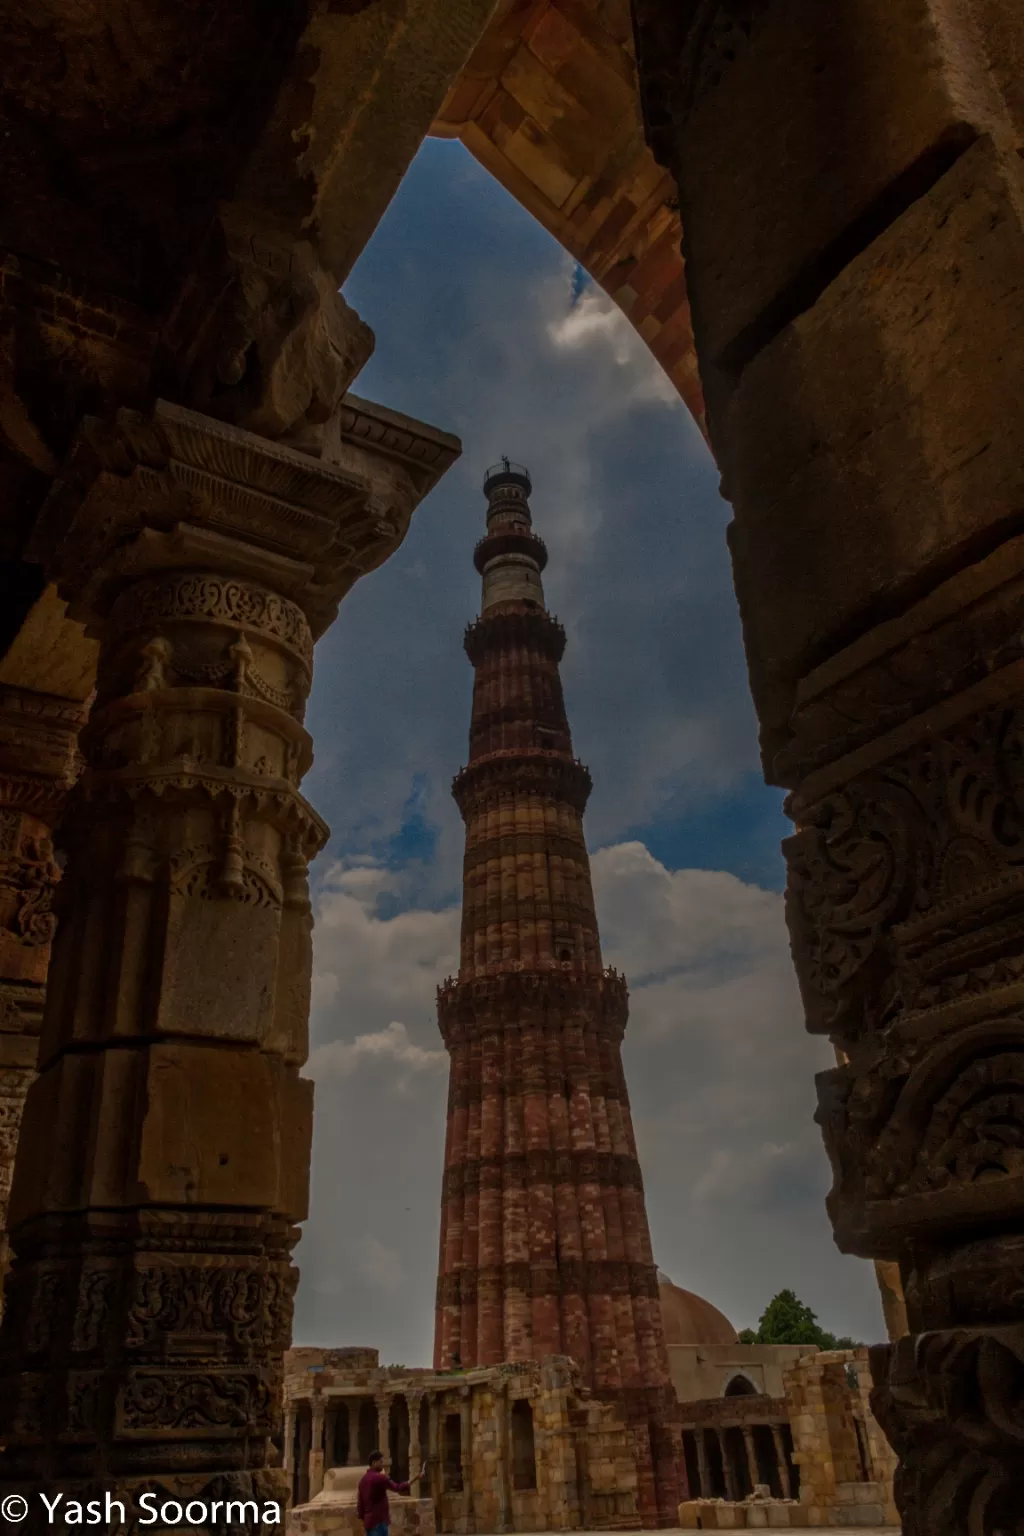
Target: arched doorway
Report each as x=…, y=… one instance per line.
x=740, y=1386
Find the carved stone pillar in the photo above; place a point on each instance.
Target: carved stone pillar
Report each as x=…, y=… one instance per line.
x=748, y=1446
x=383, y=1405
x=163, y=1161
x=906, y=895
x=38, y=745
x=288, y=1451
x=415, y=1449
x=703, y=1470
x=317, y=1453
x=435, y=1471
x=728, y=1475
x=466, y=1454
x=503, y=1473
x=782, y=1462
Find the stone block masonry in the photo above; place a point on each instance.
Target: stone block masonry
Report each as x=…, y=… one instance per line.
x=545, y=1248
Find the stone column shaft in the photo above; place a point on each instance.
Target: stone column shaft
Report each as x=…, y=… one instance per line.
x=504, y=1470
x=383, y=1405
x=466, y=1454
x=415, y=1449
x=703, y=1469
x=731, y=1491
x=782, y=1462
x=751, y=1450
x=317, y=1452
x=288, y=1450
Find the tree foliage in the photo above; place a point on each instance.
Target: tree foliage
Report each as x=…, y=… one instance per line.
x=788, y=1320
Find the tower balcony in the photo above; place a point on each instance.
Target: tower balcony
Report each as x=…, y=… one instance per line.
x=510, y=541
x=531, y=772
x=510, y=995
x=507, y=473
x=531, y=627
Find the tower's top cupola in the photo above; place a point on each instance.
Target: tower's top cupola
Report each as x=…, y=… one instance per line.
x=510, y=556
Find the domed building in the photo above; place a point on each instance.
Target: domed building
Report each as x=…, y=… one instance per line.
x=689, y=1319
x=706, y=1358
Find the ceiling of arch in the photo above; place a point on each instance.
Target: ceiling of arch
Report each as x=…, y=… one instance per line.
x=548, y=103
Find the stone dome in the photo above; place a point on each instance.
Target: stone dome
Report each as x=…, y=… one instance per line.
x=689, y=1319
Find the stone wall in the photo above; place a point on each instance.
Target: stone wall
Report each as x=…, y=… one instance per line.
x=519, y=1447
x=846, y=1465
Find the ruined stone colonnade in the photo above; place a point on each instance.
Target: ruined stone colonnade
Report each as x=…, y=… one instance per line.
x=189, y=488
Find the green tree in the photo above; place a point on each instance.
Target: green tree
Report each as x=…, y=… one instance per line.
x=788, y=1320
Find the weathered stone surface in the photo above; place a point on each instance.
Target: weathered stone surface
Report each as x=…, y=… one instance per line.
x=516, y=1447
x=547, y=103
x=873, y=93
x=879, y=404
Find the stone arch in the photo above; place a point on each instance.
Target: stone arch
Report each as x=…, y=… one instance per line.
x=739, y=1386
x=548, y=102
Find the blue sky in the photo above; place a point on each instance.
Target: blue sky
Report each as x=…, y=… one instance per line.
x=485, y=327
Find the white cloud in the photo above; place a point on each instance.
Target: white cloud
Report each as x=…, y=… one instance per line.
x=390, y=1047
x=596, y=326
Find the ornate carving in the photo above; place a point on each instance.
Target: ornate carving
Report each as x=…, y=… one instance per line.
x=247, y=1308
x=96, y=1292
x=28, y=877
x=176, y=1400
x=890, y=876
x=241, y=605
x=952, y=1405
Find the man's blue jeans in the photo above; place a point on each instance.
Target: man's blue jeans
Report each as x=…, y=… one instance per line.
x=378, y=1530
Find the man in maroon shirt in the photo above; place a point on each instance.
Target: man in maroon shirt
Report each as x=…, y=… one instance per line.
x=372, y=1497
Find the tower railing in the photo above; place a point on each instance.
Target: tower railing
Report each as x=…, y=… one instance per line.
x=505, y=472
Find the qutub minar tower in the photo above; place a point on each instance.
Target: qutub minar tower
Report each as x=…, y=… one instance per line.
x=545, y=1247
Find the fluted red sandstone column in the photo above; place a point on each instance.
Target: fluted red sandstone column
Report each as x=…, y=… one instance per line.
x=545, y=1247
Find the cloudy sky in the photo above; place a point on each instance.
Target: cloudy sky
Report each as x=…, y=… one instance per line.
x=485, y=328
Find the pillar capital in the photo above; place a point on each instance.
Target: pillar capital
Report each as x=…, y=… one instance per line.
x=171, y=490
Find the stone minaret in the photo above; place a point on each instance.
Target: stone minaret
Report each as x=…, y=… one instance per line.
x=545, y=1247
